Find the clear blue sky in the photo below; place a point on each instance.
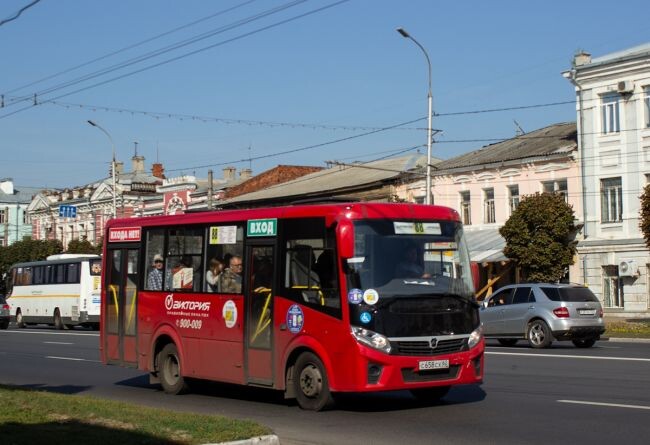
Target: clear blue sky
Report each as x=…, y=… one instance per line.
x=344, y=67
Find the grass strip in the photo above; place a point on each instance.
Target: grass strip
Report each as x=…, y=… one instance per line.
x=628, y=328
x=29, y=416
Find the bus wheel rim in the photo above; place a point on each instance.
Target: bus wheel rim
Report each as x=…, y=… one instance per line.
x=311, y=381
x=172, y=369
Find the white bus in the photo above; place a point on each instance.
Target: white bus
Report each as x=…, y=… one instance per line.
x=64, y=291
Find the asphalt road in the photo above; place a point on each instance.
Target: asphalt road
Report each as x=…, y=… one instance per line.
x=561, y=395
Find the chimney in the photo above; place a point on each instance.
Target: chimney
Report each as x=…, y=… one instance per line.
x=229, y=173
x=119, y=168
x=137, y=164
x=7, y=186
x=581, y=58
x=157, y=170
x=245, y=173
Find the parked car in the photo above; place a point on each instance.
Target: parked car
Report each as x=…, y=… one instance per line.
x=542, y=312
x=4, y=313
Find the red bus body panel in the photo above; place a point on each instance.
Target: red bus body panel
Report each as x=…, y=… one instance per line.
x=217, y=352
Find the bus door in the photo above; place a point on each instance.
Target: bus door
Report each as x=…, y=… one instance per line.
x=258, y=303
x=121, y=306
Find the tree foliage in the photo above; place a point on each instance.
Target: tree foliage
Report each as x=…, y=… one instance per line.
x=26, y=250
x=644, y=223
x=83, y=246
x=540, y=237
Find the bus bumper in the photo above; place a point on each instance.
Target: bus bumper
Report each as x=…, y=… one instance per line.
x=377, y=371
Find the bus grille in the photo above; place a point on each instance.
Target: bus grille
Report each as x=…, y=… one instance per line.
x=424, y=347
x=409, y=375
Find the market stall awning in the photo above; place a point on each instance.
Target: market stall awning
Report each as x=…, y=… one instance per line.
x=486, y=246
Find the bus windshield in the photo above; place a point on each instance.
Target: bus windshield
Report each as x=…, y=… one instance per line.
x=410, y=258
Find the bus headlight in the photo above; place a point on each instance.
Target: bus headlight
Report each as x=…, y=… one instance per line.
x=475, y=337
x=370, y=338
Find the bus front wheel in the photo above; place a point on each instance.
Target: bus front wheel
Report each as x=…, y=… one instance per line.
x=169, y=370
x=310, y=383
x=19, y=319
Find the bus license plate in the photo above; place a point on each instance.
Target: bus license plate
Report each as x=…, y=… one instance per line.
x=433, y=364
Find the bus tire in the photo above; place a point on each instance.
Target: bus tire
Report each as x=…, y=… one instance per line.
x=19, y=319
x=169, y=370
x=58, y=323
x=310, y=382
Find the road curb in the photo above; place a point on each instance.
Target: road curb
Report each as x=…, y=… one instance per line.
x=626, y=340
x=271, y=439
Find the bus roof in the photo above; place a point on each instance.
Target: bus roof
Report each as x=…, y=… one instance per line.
x=65, y=256
x=350, y=210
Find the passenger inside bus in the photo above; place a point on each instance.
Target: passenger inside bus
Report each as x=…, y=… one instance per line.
x=212, y=276
x=155, y=277
x=231, y=278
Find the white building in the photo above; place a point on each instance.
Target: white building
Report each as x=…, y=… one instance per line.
x=613, y=115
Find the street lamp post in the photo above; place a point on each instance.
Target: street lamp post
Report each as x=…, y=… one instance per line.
x=112, y=165
x=405, y=34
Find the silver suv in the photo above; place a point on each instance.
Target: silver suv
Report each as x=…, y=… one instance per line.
x=541, y=312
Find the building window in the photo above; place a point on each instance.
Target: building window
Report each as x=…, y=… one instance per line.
x=646, y=105
x=611, y=200
x=513, y=197
x=612, y=287
x=25, y=217
x=3, y=216
x=466, y=208
x=609, y=114
x=558, y=186
x=490, y=216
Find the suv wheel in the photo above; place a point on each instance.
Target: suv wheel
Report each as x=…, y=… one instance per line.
x=539, y=334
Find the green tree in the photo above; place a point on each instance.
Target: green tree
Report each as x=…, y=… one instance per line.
x=644, y=223
x=83, y=246
x=26, y=250
x=540, y=237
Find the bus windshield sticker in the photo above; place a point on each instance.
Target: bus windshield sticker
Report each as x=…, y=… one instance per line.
x=355, y=296
x=295, y=319
x=365, y=317
x=371, y=297
x=262, y=227
x=416, y=228
x=441, y=245
x=230, y=313
x=223, y=235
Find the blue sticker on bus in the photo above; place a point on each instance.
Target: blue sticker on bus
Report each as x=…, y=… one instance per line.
x=295, y=319
x=355, y=296
x=365, y=317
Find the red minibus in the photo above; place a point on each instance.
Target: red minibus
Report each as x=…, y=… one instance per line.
x=307, y=299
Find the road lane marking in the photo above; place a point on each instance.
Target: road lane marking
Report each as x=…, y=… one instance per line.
x=58, y=343
x=614, y=405
x=47, y=333
x=72, y=359
x=587, y=357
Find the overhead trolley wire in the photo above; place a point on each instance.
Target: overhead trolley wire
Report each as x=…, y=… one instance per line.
x=182, y=56
x=134, y=45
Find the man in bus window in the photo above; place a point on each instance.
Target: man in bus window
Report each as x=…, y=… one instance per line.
x=231, y=277
x=155, y=278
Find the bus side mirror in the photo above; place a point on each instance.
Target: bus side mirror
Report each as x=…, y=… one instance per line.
x=476, y=275
x=346, y=239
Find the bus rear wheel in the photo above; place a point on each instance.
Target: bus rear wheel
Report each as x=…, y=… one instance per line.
x=19, y=319
x=58, y=323
x=310, y=383
x=169, y=370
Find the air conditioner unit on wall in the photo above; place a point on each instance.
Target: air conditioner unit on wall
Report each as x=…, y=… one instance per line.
x=628, y=268
x=625, y=86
